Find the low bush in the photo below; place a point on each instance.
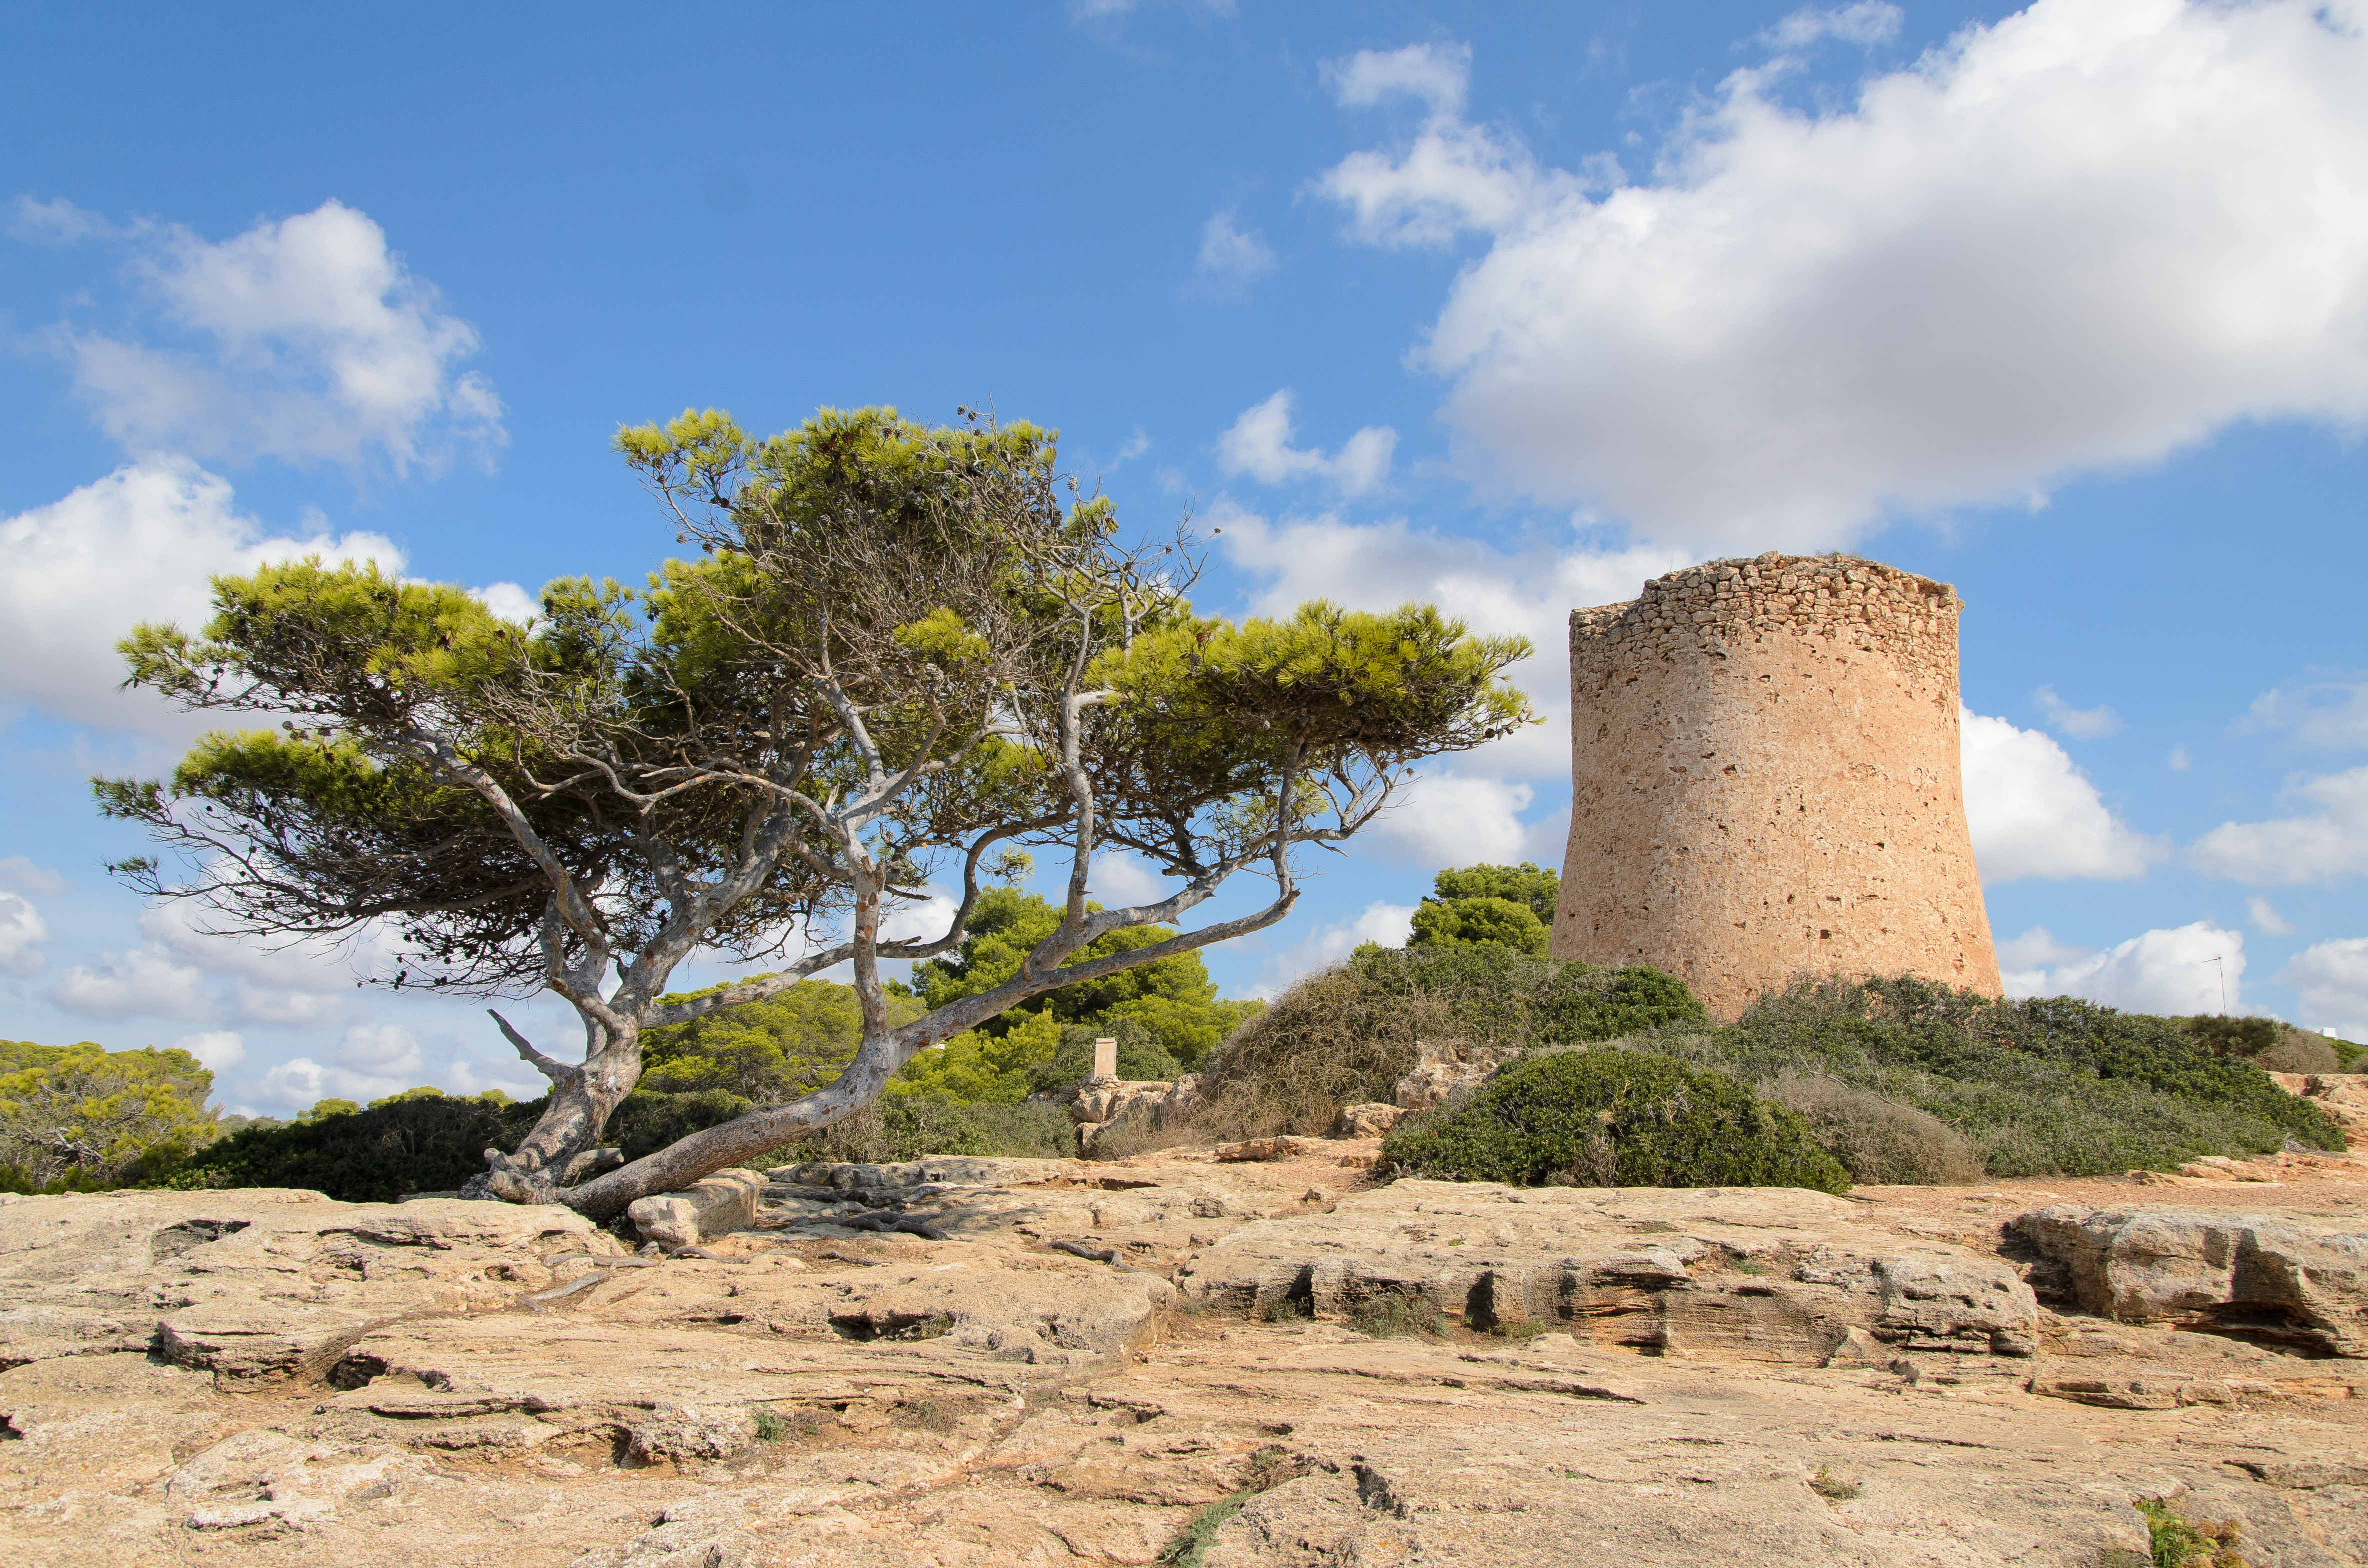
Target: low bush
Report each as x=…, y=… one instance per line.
x=2041, y=1086
x=1879, y=1141
x=1348, y=1034
x=1612, y=1117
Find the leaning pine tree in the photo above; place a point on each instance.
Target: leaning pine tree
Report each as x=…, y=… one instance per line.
x=898, y=648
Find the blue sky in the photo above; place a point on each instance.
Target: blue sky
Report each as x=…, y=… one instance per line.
x=1508, y=308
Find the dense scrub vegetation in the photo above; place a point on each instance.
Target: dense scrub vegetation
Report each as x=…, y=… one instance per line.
x=1614, y=1119
x=82, y=1118
x=1349, y=1033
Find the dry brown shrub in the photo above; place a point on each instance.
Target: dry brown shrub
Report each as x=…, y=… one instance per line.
x=1879, y=1141
x=2298, y=1050
x=1332, y=1040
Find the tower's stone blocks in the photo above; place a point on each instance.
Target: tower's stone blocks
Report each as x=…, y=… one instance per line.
x=1765, y=781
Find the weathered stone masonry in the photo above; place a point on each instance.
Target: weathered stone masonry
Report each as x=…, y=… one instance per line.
x=1765, y=780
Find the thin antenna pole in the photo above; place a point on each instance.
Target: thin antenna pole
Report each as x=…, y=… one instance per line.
x=2222, y=964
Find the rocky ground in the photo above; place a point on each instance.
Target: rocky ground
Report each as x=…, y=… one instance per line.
x=991, y=1362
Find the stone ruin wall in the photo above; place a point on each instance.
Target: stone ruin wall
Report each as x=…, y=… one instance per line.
x=1766, y=781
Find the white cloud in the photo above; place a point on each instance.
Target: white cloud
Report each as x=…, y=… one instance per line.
x=138, y=545
x=2086, y=235
x=1122, y=879
x=2081, y=724
x=217, y=1048
x=1437, y=73
x=2163, y=972
x=1453, y=175
x=1864, y=22
x=55, y=223
x=18, y=872
x=144, y=983
x=2033, y=815
x=1388, y=924
x=310, y=342
x=2266, y=918
x=380, y=1050
x=2036, y=949
x=1451, y=819
x=2325, y=845
x=2179, y=761
x=2332, y=978
x=22, y=930
x=1258, y=445
x=1231, y=254
x=2330, y=714
x=509, y=601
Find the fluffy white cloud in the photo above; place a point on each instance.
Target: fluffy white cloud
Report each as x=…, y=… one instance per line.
x=1453, y=175
x=2024, y=960
x=2266, y=918
x=2332, y=978
x=22, y=930
x=1230, y=255
x=1445, y=818
x=144, y=983
x=2081, y=724
x=1258, y=445
x=1388, y=924
x=370, y=1061
x=1122, y=879
x=2169, y=972
x=2083, y=236
x=508, y=600
x=2332, y=715
x=2324, y=846
x=2033, y=815
x=18, y=872
x=138, y=545
x=217, y=1048
x=309, y=341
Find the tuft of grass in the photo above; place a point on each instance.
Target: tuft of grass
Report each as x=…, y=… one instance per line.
x=1521, y=1328
x=774, y=1425
x=1269, y=1468
x=1282, y=1309
x=2180, y=1543
x=1832, y=1487
x=1398, y=1313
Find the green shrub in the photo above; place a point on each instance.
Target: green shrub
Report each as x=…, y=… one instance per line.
x=1348, y=1034
x=1527, y=883
x=84, y=1118
x=1879, y=1141
x=2043, y=1087
x=1610, y=1117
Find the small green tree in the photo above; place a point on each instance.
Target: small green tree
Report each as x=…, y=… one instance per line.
x=1173, y=997
x=898, y=651
x=89, y=1116
x=1437, y=923
x=1526, y=883
x=772, y=1050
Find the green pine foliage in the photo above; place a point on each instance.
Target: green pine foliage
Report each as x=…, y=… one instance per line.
x=1527, y=883
x=767, y=1052
x=1440, y=922
x=82, y=1118
x=1609, y=1117
x=1173, y=997
x=1510, y=904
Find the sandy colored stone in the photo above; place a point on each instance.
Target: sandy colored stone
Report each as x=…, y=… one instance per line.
x=713, y=1206
x=1766, y=781
x=1371, y=1119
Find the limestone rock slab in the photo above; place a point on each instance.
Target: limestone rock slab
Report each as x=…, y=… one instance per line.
x=1760, y=1274
x=716, y=1205
x=2280, y=1278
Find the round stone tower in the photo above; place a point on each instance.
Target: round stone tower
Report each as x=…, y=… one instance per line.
x=1765, y=781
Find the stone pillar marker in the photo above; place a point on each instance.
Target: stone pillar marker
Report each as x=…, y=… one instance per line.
x=1106, y=1059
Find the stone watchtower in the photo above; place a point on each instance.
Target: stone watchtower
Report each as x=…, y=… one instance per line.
x=1765, y=781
